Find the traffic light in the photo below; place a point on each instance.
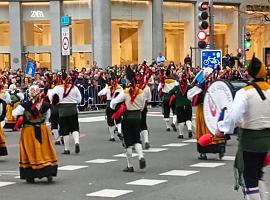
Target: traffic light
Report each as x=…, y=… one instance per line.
x=203, y=24
x=248, y=42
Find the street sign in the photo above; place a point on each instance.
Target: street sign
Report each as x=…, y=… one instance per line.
x=211, y=58
x=65, y=20
x=66, y=41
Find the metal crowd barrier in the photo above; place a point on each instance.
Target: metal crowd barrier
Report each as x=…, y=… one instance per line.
x=91, y=100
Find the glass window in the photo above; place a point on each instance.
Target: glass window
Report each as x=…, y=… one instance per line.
x=4, y=61
x=81, y=32
x=43, y=60
x=37, y=33
x=4, y=34
x=80, y=60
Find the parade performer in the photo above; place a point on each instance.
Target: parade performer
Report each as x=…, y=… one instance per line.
x=250, y=112
x=111, y=90
x=37, y=154
x=183, y=106
x=143, y=79
x=16, y=97
x=166, y=84
x=67, y=96
x=134, y=99
x=3, y=100
x=54, y=118
x=196, y=95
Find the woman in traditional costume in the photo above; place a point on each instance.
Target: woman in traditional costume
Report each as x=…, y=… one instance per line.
x=37, y=154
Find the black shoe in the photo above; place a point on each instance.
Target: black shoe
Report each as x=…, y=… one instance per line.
x=190, y=134
x=128, y=169
x=147, y=145
x=168, y=129
x=57, y=143
x=142, y=163
x=49, y=179
x=180, y=137
x=173, y=127
x=202, y=156
x=120, y=136
x=66, y=152
x=221, y=155
x=30, y=180
x=77, y=148
x=112, y=140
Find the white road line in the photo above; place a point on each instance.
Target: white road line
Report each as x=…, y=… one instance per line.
x=179, y=173
x=207, y=165
x=146, y=182
x=109, y=193
x=71, y=167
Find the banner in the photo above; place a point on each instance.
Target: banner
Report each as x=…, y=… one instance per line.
x=31, y=68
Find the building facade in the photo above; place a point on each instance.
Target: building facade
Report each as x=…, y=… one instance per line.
x=118, y=32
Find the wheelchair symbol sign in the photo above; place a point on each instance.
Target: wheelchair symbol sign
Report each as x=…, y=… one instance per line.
x=211, y=58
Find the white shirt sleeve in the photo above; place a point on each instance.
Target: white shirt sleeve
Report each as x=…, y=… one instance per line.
x=120, y=98
x=8, y=100
x=18, y=111
x=78, y=95
x=147, y=93
x=103, y=91
x=21, y=96
x=235, y=116
x=193, y=92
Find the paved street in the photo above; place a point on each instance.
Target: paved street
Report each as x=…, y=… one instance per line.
x=173, y=170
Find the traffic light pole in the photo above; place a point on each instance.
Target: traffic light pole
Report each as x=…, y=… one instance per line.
x=243, y=45
x=211, y=24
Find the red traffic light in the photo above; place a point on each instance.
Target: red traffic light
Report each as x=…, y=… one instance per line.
x=203, y=6
x=202, y=35
x=239, y=50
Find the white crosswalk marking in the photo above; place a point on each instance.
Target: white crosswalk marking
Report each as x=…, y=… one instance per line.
x=146, y=182
x=123, y=155
x=207, y=165
x=109, y=193
x=71, y=167
x=229, y=158
x=2, y=184
x=179, y=173
x=175, y=145
x=154, y=150
x=191, y=141
x=92, y=119
x=100, y=161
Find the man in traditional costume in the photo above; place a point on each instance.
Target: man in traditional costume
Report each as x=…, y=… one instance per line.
x=134, y=100
x=143, y=79
x=67, y=96
x=15, y=97
x=183, y=106
x=37, y=154
x=164, y=87
x=111, y=91
x=250, y=111
x=196, y=95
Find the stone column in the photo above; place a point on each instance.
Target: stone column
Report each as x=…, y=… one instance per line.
x=102, y=40
x=16, y=39
x=232, y=34
x=157, y=27
x=56, y=50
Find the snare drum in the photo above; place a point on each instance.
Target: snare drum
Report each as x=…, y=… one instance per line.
x=219, y=94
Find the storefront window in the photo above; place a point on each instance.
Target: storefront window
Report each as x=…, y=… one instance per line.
x=80, y=60
x=125, y=42
x=43, y=60
x=4, y=34
x=37, y=33
x=178, y=30
x=81, y=32
x=4, y=61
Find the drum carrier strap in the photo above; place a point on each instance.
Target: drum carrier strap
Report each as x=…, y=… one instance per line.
x=258, y=89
